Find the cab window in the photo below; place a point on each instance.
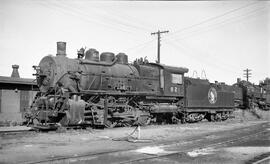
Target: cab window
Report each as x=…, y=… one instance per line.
x=177, y=79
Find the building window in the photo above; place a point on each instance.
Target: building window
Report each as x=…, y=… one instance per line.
x=177, y=79
x=161, y=78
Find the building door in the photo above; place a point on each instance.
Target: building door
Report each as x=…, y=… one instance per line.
x=24, y=100
x=10, y=105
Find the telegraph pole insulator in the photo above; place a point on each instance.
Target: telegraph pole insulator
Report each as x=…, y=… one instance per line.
x=247, y=73
x=158, y=46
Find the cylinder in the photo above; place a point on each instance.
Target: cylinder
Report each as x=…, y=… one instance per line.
x=122, y=58
x=61, y=49
x=107, y=57
x=92, y=54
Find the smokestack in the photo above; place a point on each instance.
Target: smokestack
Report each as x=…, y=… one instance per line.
x=15, y=72
x=61, y=49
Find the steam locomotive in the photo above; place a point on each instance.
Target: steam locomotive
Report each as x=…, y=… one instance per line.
x=250, y=96
x=106, y=90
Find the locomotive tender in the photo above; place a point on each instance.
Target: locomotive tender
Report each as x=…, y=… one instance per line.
x=107, y=91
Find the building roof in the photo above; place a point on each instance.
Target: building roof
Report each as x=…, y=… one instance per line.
x=15, y=80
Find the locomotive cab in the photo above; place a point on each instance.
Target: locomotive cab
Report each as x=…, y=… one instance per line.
x=171, y=80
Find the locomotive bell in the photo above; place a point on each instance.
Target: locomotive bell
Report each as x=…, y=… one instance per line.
x=61, y=49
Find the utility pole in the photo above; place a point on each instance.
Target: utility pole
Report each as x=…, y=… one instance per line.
x=158, y=46
x=247, y=73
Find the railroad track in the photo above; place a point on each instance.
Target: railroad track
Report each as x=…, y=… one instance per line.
x=15, y=129
x=199, y=147
x=178, y=147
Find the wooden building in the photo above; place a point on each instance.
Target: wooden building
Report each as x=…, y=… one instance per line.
x=16, y=94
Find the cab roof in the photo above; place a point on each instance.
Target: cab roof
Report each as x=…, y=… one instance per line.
x=171, y=69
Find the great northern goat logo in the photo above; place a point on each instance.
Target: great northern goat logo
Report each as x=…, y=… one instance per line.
x=212, y=95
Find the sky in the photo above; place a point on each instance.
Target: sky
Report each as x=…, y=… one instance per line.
x=220, y=38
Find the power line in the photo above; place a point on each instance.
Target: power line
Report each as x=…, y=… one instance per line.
x=109, y=17
x=124, y=16
x=221, y=62
x=158, y=43
x=68, y=10
x=205, y=54
x=143, y=50
x=217, y=25
x=140, y=45
x=213, y=18
x=201, y=59
x=87, y=18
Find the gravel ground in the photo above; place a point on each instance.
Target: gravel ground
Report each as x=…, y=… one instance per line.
x=16, y=148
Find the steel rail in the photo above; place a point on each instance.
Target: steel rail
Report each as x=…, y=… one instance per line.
x=166, y=143
x=199, y=147
x=262, y=160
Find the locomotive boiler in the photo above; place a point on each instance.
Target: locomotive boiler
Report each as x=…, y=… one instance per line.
x=106, y=90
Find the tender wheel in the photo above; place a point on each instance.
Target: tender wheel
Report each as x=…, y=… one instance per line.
x=218, y=117
x=212, y=118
